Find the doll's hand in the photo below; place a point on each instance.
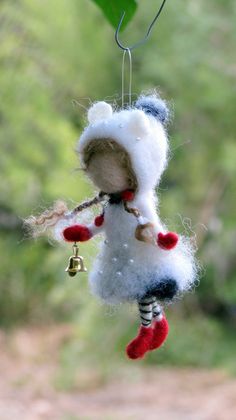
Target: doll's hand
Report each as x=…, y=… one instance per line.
x=77, y=233
x=167, y=240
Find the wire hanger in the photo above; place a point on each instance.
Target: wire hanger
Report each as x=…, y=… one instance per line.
x=129, y=49
x=142, y=41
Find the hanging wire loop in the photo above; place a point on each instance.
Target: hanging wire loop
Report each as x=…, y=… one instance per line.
x=142, y=41
x=126, y=51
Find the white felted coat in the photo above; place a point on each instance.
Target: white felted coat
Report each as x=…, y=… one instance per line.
x=127, y=269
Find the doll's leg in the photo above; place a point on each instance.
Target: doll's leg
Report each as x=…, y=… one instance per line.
x=160, y=326
x=145, y=306
x=141, y=344
x=157, y=311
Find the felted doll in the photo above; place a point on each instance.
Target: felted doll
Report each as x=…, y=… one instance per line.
x=124, y=152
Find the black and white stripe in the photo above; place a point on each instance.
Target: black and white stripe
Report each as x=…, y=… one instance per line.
x=149, y=309
x=145, y=310
x=157, y=311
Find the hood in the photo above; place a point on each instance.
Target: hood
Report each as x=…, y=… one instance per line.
x=140, y=130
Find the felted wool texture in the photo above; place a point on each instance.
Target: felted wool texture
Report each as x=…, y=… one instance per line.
x=77, y=233
x=137, y=348
x=160, y=333
x=144, y=138
x=126, y=269
x=154, y=106
x=69, y=219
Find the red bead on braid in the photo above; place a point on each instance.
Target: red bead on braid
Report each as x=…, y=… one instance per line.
x=127, y=195
x=99, y=220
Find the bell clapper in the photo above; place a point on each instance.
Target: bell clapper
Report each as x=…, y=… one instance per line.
x=76, y=262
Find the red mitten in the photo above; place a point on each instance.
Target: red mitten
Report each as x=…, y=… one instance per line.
x=77, y=233
x=167, y=240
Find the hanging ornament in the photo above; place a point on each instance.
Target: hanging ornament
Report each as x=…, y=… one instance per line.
x=124, y=153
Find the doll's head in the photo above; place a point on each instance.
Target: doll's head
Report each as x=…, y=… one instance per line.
x=119, y=150
x=109, y=166
x=125, y=149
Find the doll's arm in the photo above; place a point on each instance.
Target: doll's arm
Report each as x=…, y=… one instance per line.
x=153, y=233
x=156, y=233
x=82, y=233
x=165, y=240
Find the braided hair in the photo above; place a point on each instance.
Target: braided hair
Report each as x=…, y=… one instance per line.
x=38, y=225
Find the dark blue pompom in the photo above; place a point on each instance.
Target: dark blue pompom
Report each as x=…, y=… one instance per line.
x=154, y=106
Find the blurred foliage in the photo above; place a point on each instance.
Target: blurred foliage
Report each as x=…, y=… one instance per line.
x=55, y=58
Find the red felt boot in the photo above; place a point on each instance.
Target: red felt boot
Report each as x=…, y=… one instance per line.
x=160, y=332
x=141, y=344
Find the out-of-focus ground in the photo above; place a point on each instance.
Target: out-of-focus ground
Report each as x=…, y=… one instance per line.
x=29, y=363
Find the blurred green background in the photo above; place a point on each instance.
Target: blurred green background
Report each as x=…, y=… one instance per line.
x=55, y=58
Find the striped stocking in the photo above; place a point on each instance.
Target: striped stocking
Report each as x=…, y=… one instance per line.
x=157, y=311
x=145, y=310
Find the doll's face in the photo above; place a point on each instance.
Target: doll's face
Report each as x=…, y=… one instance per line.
x=109, y=167
x=107, y=173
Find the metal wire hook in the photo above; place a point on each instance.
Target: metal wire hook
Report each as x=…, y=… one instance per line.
x=123, y=77
x=137, y=44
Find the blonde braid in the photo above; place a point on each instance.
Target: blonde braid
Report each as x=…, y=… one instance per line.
x=38, y=225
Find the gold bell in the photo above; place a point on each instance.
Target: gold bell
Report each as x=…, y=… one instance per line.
x=76, y=263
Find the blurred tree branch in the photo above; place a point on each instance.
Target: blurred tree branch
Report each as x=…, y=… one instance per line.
x=210, y=206
x=9, y=221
